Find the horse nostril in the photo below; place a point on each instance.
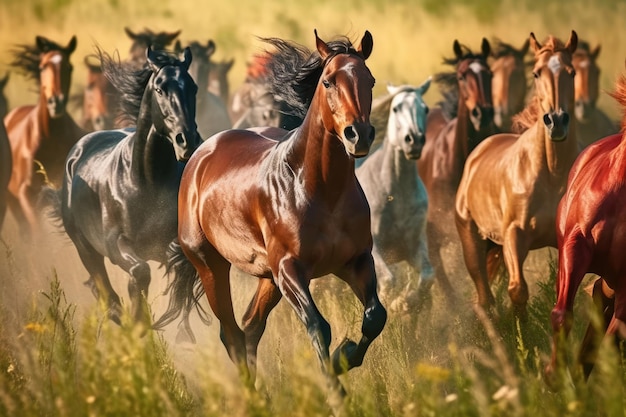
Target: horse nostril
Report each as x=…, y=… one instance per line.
x=547, y=120
x=476, y=112
x=350, y=133
x=180, y=139
x=408, y=139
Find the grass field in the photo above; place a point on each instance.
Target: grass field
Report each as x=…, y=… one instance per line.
x=60, y=357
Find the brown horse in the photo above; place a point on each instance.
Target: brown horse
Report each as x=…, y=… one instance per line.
x=590, y=222
x=591, y=122
x=6, y=160
x=512, y=183
x=141, y=41
x=42, y=134
x=462, y=121
x=508, y=82
x=286, y=207
x=100, y=99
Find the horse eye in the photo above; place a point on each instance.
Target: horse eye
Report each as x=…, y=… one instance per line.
x=461, y=77
x=158, y=91
x=426, y=109
x=535, y=74
x=326, y=84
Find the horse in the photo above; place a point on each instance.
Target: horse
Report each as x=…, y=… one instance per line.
x=212, y=114
x=592, y=123
x=6, y=160
x=118, y=198
x=397, y=196
x=141, y=41
x=512, y=183
x=42, y=134
x=508, y=82
x=218, y=79
x=453, y=129
x=589, y=223
x=286, y=207
x=100, y=99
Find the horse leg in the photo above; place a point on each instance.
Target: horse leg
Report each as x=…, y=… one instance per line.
x=574, y=260
x=475, y=256
x=515, y=250
x=265, y=298
x=427, y=273
x=604, y=302
x=362, y=279
x=435, y=245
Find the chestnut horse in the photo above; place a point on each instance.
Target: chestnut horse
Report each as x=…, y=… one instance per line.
x=42, y=134
x=100, y=98
x=590, y=238
x=591, y=122
x=119, y=191
x=512, y=183
x=6, y=160
x=286, y=208
x=461, y=122
x=508, y=82
x=211, y=112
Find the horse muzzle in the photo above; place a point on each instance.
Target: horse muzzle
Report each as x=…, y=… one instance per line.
x=413, y=145
x=582, y=108
x=358, y=139
x=481, y=117
x=557, y=124
x=56, y=106
x=185, y=144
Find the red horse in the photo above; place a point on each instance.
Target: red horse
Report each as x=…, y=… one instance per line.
x=591, y=224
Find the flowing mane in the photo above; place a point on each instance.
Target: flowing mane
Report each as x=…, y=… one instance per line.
x=448, y=83
x=619, y=94
x=293, y=72
x=26, y=57
x=528, y=117
x=131, y=82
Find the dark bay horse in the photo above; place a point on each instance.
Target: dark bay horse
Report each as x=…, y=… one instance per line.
x=6, y=160
x=453, y=130
x=508, y=82
x=591, y=122
x=511, y=185
x=118, y=198
x=590, y=225
x=218, y=79
x=211, y=112
x=286, y=207
x=42, y=134
x=100, y=99
x=142, y=40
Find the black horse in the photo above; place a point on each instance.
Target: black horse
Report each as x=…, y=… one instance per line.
x=119, y=194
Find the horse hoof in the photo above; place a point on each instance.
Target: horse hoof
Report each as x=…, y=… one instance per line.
x=341, y=357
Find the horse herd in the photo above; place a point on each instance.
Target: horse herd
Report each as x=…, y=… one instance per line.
x=317, y=177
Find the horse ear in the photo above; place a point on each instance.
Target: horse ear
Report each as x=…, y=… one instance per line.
x=178, y=47
x=130, y=33
x=596, y=52
x=366, y=46
x=187, y=57
x=524, y=50
x=42, y=44
x=4, y=80
x=534, y=43
x=392, y=89
x=171, y=36
x=210, y=48
x=422, y=89
x=572, y=43
x=456, y=47
x=321, y=46
x=151, y=59
x=485, y=47
x=229, y=64
x=71, y=46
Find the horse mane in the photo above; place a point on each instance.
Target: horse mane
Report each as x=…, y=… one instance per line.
x=293, y=72
x=528, y=117
x=131, y=82
x=619, y=94
x=448, y=83
x=26, y=57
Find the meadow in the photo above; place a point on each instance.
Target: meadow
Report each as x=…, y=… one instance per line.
x=59, y=356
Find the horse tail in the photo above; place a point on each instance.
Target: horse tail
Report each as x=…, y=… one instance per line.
x=495, y=263
x=49, y=200
x=185, y=290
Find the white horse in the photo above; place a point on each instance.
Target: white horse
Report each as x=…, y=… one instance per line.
x=397, y=196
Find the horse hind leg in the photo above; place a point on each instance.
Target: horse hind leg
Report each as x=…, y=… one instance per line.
x=266, y=297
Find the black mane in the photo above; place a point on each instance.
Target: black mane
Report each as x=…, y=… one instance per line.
x=26, y=57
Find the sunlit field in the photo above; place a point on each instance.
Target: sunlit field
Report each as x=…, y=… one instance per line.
x=60, y=356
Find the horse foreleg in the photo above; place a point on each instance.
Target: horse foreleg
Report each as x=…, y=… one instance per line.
x=435, y=246
x=603, y=300
x=362, y=279
x=475, y=256
x=515, y=250
x=265, y=298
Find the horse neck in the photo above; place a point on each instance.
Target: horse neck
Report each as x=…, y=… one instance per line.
x=326, y=166
x=152, y=155
x=403, y=171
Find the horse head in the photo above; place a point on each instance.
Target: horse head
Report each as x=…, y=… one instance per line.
x=474, y=78
x=586, y=80
x=200, y=66
x=345, y=87
x=55, y=74
x=407, y=120
x=218, y=78
x=99, y=97
x=508, y=82
x=142, y=40
x=174, y=102
x=554, y=83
